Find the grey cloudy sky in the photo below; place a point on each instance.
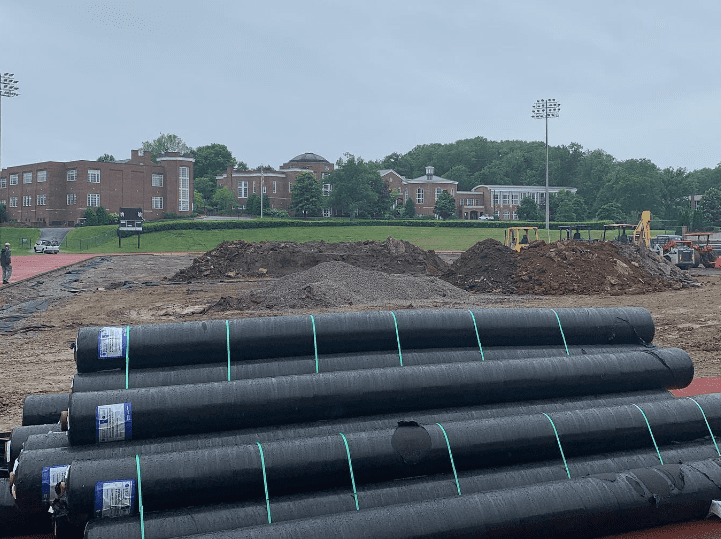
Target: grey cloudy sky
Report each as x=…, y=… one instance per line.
x=275, y=79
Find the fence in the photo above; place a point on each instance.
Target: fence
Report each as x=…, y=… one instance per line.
x=81, y=244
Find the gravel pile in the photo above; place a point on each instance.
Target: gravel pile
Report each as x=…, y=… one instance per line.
x=337, y=284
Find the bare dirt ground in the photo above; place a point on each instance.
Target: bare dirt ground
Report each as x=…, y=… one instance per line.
x=39, y=317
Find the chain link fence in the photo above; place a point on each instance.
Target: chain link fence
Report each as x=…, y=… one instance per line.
x=82, y=244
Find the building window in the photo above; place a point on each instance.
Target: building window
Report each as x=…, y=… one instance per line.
x=242, y=189
x=40, y=200
x=253, y=187
x=157, y=180
x=515, y=216
x=504, y=198
x=327, y=188
x=496, y=198
x=27, y=178
x=4, y=202
x=438, y=192
x=157, y=203
x=13, y=179
x=506, y=215
x=265, y=189
x=274, y=187
x=327, y=212
x=72, y=198
x=93, y=200
x=94, y=176
x=3, y=183
x=42, y=175
x=324, y=174
x=405, y=196
x=184, y=189
x=514, y=199
x=13, y=202
x=72, y=175
x=27, y=200
x=496, y=213
x=419, y=196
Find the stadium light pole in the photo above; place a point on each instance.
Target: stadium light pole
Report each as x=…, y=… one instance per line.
x=545, y=109
x=8, y=88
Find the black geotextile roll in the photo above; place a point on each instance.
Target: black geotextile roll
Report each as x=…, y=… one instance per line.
x=304, y=465
x=160, y=345
x=199, y=374
x=204, y=519
x=13, y=521
x=20, y=434
x=43, y=409
x=168, y=411
x=46, y=451
x=587, y=507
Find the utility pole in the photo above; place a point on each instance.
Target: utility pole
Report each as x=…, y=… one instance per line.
x=261, y=190
x=545, y=109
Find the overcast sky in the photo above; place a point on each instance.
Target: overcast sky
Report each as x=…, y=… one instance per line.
x=273, y=79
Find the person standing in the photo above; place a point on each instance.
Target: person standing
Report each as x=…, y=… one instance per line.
x=6, y=264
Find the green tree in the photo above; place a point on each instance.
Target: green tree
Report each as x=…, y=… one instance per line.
x=224, y=199
x=3, y=213
x=165, y=143
x=352, y=182
x=101, y=216
x=90, y=218
x=107, y=158
x=211, y=160
x=253, y=205
x=206, y=187
x=409, y=208
x=528, y=210
x=710, y=207
x=461, y=174
x=611, y=212
x=306, y=195
x=445, y=205
x=198, y=200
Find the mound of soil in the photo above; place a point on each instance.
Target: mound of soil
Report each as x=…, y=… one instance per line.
x=488, y=266
x=276, y=259
x=338, y=284
x=573, y=267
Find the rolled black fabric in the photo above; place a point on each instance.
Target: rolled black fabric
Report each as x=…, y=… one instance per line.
x=159, y=345
x=199, y=374
x=168, y=411
x=211, y=518
x=588, y=507
x=235, y=473
x=21, y=434
x=44, y=409
x=13, y=521
x=53, y=449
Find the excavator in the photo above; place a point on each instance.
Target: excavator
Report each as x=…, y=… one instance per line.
x=640, y=233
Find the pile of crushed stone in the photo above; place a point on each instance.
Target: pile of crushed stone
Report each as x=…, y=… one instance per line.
x=276, y=259
x=338, y=284
x=574, y=267
x=488, y=266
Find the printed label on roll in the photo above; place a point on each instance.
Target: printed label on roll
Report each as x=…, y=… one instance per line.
x=114, y=498
x=114, y=422
x=112, y=342
x=52, y=475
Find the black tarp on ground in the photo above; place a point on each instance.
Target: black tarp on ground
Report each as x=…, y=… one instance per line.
x=159, y=345
x=168, y=411
x=205, y=519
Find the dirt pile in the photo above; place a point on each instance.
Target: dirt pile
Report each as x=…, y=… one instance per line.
x=276, y=259
x=338, y=284
x=488, y=266
x=573, y=267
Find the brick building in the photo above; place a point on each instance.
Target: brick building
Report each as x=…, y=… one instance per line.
x=57, y=194
x=276, y=183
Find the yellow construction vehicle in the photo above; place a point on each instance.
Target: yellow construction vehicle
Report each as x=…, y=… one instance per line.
x=518, y=236
x=641, y=232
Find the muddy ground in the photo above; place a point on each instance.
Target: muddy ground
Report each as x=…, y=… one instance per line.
x=39, y=317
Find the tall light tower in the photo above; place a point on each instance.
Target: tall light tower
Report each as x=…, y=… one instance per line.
x=546, y=108
x=8, y=88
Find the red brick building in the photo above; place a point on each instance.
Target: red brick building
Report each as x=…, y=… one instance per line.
x=276, y=183
x=57, y=194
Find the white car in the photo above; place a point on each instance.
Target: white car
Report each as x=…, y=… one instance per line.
x=46, y=246
x=485, y=217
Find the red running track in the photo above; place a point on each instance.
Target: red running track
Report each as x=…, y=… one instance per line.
x=28, y=266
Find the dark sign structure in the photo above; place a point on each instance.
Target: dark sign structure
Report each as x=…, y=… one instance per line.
x=131, y=219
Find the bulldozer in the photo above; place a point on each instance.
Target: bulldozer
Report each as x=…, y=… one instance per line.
x=516, y=241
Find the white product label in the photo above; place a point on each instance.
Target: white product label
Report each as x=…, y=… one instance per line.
x=112, y=342
x=114, y=422
x=52, y=475
x=114, y=498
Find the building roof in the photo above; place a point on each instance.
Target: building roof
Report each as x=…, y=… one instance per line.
x=525, y=188
x=309, y=158
x=434, y=179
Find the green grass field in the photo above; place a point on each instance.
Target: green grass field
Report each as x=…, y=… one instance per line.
x=16, y=236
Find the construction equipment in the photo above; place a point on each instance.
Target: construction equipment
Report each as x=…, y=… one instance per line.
x=677, y=251
x=517, y=236
x=641, y=232
x=577, y=232
x=703, y=247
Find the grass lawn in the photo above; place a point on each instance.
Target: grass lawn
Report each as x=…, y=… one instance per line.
x=16, y=236
x=439, y=239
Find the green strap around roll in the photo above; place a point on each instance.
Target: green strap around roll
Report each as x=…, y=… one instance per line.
x=350, y=465
x=450, y=454
x=140, y=499
x=265, y=482
x=560, y=447
x=653, y=439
